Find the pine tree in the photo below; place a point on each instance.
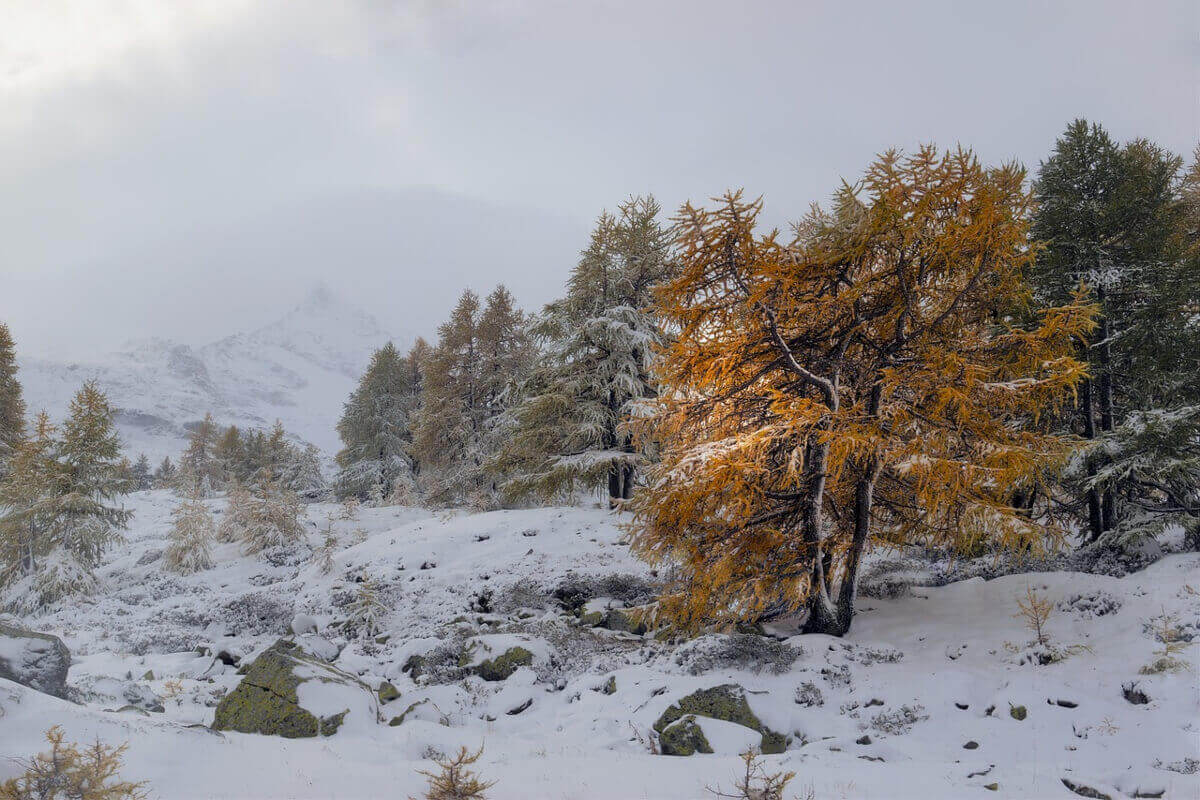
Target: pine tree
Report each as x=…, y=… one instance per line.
x=164, y=475
x=189, y=547
x=198, y=466
x=140, y=476
x=374, y=428
x=468, y=384
x=237, y=516
x=90, y=454
x=29, y=497
x=869, y=382
x=567, y=432
x=1109, y=217
x=272, y=521
x=229, y=452
x=12, y=407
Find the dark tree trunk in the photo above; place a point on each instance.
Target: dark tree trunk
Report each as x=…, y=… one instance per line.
x=1095, y=516
x=1104, y=355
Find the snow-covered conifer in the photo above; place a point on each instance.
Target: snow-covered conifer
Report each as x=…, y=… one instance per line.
x=566, y=434
x=190, y=542
x=12, y=407
x=365, y=613
x=198, y=465
x=90, y=454
x=468, y=384
x=139, y=474
x=273, y=520
x=164, y=474
x=374, y=428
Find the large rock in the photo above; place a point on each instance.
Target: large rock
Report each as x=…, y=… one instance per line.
x=37, y=660
x=288, y=691
x=727, y=703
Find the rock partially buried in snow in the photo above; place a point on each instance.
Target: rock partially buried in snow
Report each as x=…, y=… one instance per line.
x=37, y=660
x=303, y=623
x=727, y=703
x=289, y=692
x=505, y=664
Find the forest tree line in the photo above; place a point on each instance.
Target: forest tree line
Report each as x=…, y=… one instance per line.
x=947, y=354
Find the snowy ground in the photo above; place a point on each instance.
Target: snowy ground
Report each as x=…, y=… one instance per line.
x=919, y=677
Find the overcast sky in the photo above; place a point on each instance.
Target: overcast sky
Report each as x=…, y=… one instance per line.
x=188, y=169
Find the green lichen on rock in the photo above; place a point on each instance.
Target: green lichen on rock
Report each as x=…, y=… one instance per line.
x=387, y=692
x=266, y=701
x=591, y=619
x=610, y=685
x=625, y=620
x=1018, y=713
x=726, y=702
x=505, y=664
x=399, y=718
x=683, y=738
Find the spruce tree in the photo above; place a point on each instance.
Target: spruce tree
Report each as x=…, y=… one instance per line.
x=1108, y=218
x=189, y=547
x=140, y=476
x=567, y=432
x=374, y=428
x=481, y=355
x=12, y=407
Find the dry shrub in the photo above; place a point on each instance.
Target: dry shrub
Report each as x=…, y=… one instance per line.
x=71, y=772
x=454, y=780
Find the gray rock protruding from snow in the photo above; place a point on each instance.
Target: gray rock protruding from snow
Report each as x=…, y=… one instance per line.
x=37, y=660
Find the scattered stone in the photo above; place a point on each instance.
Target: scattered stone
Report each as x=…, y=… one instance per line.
x=874, y=701
x=1134, y=694
x=971, y=745
x=505, y=664
x=303, y=623
x=683, y=738
x=863, y=740
x=387, y=692
x=512, y=712
x=962, y=706
x=992, y=787
x=1019, y=713
x=1064, y=703
x=37, y=660
x=148, y=675
x=610, y=685
x=412, y=707
x=1083, y=790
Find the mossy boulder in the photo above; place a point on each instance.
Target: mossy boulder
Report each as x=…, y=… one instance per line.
x=505, y=664
x=726, y=702
x=625, y=620
x=683, y=737
x=291, y=693
x=387, y=692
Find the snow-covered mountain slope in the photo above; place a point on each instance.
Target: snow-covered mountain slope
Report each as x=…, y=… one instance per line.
x=937, y=692
x=298, y=369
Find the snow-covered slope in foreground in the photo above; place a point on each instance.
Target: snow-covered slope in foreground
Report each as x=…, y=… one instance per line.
x=299, y=369
x=886, y=713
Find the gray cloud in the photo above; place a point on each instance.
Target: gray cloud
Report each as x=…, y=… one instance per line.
x=188, y=174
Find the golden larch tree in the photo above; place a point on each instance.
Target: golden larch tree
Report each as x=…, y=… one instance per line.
x=876, y=379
